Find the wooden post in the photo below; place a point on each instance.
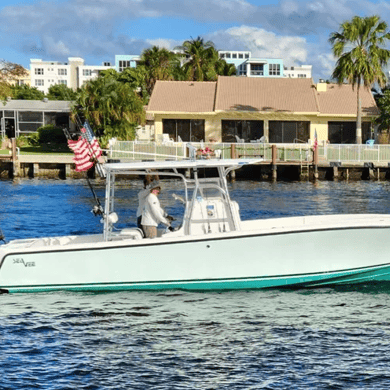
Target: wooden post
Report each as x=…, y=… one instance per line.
x=233, y=151
x=15, y=162
x=335, y=173
x=273, y=164
x=35, y=170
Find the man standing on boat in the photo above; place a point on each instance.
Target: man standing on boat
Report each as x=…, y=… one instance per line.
x=142, y=196
x=152, y=213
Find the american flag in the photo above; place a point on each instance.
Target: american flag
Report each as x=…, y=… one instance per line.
x=86, y=131
x=86, y=149
x=315, y=145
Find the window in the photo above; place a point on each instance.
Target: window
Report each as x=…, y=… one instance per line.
x=189, y=130
x=246, y=55
x=227, y=55
x=288, y=131
x=222, y=55
x=240, y=56
x=39, y=83
x=64, y=82
x=62, y=72
x=123, y=65
x=257, y=70
x=274, y=69
x=87, y=72
x=301, y=76
x=246, y=130
x=345, y=132
x=234, y=55
x=39, y=71
x=107, y=63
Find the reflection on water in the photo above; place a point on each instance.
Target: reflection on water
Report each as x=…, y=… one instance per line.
x=325, y=338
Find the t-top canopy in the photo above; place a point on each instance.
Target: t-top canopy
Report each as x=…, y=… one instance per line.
x=183, y=164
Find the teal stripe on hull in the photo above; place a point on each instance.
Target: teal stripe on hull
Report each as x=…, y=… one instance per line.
x=316, y=280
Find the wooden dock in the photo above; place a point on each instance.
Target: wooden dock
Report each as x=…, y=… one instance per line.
x=278, y=162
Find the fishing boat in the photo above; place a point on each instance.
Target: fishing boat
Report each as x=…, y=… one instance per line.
x=211, y=248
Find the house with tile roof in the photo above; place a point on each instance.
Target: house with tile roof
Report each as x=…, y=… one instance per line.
x=283, y=110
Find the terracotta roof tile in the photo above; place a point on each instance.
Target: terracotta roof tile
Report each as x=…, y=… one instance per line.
x=182, y=96
x=342, y=99
x=258, y=94
x=265, y=94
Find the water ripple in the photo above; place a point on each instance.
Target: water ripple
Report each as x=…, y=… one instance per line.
x=326, y=338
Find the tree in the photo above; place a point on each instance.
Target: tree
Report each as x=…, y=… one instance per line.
x=61, y=92
x=201, y=58
x=113, y=108
x=25, y=92
x=9, y=74
x=384, y=106
x=225, y=69
x=136, y=78
x=358, y=47
x=158, y=64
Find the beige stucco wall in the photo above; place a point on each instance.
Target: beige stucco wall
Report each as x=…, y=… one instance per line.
x=213, y=121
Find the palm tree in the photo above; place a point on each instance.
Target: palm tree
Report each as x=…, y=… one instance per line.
x=159, y=64
x=358, y=47
x=112, y=107
x=201, y=58
x=225, y=69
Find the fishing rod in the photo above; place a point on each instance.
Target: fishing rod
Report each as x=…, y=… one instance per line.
x=98, y=208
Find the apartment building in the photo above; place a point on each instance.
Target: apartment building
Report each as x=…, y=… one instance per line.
x=126, y=61
x=249, y=66
x=73, y=73
x=303, y=71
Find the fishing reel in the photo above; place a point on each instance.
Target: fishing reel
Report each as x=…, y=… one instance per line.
x=97, y=210
x=2, y=238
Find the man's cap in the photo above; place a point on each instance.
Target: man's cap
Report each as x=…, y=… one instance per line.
x=154, y=184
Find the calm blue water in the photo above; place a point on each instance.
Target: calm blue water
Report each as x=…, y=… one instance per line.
x=271, y=339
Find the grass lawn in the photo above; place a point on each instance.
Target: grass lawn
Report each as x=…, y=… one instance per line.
x=43, y=149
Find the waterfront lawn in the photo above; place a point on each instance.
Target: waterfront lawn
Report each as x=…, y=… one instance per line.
x=4, y=151
x=46, y=149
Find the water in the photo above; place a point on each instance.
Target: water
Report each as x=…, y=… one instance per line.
x=326, y=338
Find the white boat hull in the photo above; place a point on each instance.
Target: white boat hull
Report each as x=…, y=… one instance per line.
x=301, y=251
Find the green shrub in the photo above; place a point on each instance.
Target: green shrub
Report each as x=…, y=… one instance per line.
x=51, y=134
x=22, y=141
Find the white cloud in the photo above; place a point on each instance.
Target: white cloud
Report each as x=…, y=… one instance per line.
x=169, y=44
x=261, y=43
x=57, y=48
x=295, y=30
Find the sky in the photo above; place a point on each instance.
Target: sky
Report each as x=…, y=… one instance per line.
x=97, y=30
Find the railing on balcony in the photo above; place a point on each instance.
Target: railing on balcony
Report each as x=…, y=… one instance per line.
x=296, y=152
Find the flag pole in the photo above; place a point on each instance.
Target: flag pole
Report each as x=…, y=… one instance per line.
x=79, y=148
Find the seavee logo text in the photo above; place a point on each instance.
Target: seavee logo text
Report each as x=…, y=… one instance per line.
x=25, y=263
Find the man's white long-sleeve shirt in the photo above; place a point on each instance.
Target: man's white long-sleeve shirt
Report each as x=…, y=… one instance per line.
x=152, y=213
x=141, y=200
